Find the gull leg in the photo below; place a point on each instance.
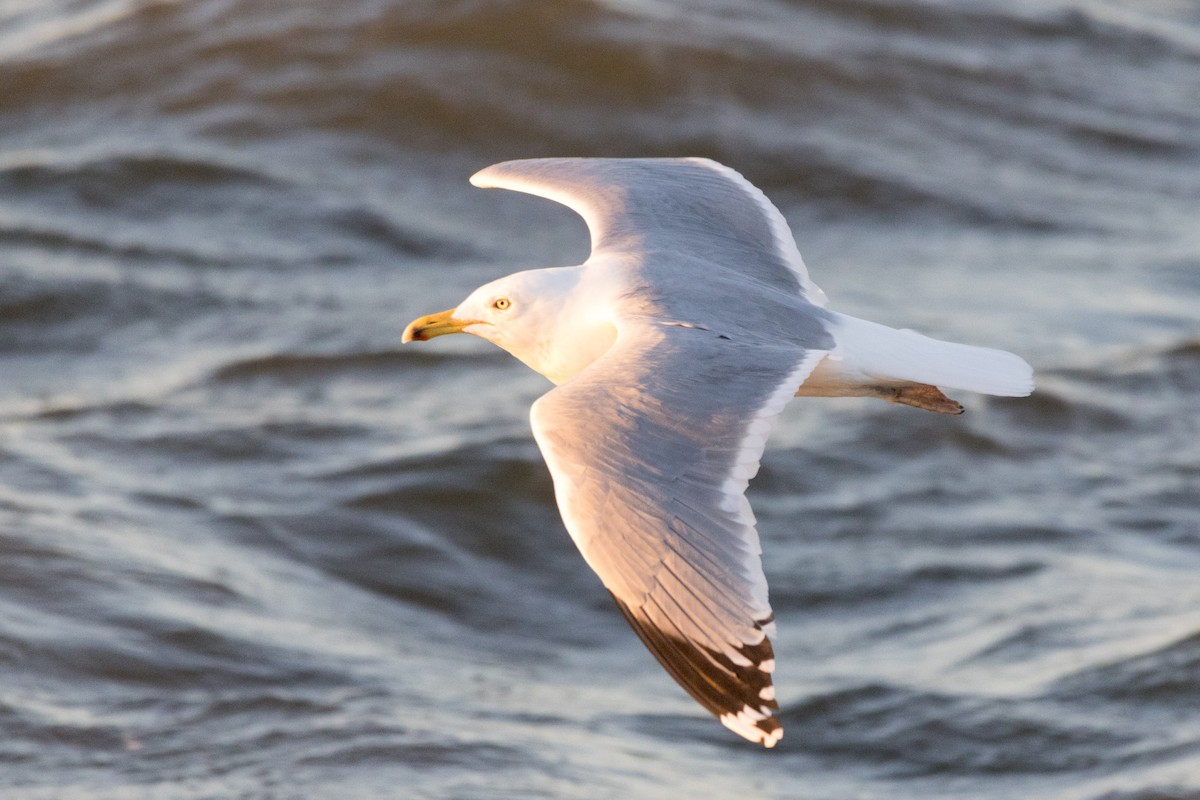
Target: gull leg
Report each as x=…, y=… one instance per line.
x=920, y=395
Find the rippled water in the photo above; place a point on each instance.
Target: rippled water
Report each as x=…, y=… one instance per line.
x=251, y=547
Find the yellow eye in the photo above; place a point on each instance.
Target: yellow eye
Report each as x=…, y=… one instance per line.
x=502, y=304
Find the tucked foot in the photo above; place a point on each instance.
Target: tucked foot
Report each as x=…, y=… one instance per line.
x=920, y=395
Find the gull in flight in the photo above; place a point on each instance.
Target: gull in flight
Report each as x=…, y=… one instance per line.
x=673, y=349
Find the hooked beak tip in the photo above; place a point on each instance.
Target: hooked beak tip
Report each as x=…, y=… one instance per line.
x=412, y=334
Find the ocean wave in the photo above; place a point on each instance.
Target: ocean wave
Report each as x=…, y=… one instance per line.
x=513, y=78
x=1161, y=677
x=249, y=542
x=914, y=733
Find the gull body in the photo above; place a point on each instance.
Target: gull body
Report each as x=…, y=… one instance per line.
x=674, y=347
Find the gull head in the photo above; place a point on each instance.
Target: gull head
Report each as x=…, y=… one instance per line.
x=509, y=312
x=536, y=315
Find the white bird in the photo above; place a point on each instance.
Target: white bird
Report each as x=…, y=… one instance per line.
x=674, y=347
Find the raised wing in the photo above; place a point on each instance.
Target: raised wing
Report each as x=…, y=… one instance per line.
x=651, y=449
x=649, y=205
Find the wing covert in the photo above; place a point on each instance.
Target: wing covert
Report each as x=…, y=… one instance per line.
x=660, y=204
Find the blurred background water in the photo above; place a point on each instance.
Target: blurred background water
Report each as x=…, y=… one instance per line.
x=250, y=547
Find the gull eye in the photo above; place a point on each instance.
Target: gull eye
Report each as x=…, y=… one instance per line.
x=502, y=304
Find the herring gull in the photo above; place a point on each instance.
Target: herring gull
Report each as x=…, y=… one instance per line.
x=673, y=348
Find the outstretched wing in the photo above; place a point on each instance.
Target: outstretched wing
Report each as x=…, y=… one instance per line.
x=648, y=205
x=651, y=448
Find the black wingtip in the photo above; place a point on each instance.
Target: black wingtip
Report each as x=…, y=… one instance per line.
x=741, y=696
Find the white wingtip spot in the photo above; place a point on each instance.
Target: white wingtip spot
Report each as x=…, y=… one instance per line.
x=772, y=738
x=737, y=658
x=745, y=723
x=767, y=693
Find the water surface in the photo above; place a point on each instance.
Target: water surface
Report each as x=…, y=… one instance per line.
x=252, y=547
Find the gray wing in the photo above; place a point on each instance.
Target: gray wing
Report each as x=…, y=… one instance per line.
x=651, y=448
x=662, y=205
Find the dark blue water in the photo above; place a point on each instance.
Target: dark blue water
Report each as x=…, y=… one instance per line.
x=251, y=547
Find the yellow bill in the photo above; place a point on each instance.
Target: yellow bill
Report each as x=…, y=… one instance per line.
x=440, y=324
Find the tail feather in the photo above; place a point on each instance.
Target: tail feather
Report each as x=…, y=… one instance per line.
x=904, y=355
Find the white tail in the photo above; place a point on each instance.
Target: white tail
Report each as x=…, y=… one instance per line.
x=902, y=355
